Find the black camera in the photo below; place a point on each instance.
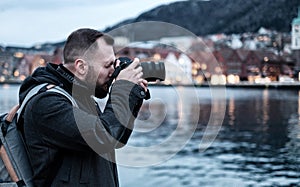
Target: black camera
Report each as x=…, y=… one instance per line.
x=152, y=71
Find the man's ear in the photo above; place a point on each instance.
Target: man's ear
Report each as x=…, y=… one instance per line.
x=81, y=68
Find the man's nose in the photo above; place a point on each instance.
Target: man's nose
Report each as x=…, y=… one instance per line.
x=111, y=70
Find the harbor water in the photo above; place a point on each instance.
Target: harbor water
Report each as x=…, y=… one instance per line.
x=226, y=137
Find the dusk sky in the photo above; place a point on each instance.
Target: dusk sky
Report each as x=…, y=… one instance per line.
x=30, y=22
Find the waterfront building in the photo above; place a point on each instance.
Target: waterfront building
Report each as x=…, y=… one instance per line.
x=178, y=69
x=243, y=57
x=296, y=40
x=6, y=65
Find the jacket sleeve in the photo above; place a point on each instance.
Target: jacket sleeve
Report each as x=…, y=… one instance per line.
x=114, y=126
x=123, y=106
x=68, y=127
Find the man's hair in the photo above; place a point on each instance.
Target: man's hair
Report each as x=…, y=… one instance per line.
x=82, y=40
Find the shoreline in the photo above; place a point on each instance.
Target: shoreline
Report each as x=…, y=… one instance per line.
x=11, y=82
x=271, y=85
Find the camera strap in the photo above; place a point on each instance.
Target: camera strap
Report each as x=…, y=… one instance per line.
x=115, y=74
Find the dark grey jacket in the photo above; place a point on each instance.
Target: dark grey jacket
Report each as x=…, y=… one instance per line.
x=58, y=150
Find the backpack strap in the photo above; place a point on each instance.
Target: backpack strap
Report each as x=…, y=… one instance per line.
x=50, y=87
x=7, y=163
x=29, y=95
x=63, y=92
x=10, y=115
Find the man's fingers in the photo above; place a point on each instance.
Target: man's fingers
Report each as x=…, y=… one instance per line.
x=135, y=63
x=143, y=83
x=138, y=69
x=117, y=63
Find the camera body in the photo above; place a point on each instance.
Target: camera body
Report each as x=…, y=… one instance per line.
x=152, y=71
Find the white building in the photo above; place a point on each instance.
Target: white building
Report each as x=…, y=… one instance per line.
x=178, y=71
x=296, y=32
x=296, y=40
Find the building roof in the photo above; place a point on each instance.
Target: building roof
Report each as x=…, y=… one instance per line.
x=297, y=20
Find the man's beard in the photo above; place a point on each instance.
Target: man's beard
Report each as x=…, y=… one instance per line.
x=101, y=91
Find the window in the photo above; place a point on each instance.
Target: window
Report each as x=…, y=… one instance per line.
x=297, y=28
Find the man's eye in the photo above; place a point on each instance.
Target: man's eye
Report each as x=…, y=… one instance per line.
x=109, y=65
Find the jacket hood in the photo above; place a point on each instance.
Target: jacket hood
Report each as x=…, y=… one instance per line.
x=50, y=74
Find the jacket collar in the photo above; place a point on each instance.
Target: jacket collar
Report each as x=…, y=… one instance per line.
x=68, y=79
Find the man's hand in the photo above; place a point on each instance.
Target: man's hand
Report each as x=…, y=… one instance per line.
x=133, y=73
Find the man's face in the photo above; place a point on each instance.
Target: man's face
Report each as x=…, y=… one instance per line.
x=101, y=67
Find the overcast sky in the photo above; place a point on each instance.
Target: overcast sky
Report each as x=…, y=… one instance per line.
x=30, y=22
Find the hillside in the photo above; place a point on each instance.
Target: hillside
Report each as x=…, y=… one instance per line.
x=217, y=16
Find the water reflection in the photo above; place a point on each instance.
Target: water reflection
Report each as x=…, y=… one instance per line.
x=173, y=123
x=258, y=144
x=231, y=108
x=215, y=120
x=259, y=153
x=265, y=107
x=299, y=104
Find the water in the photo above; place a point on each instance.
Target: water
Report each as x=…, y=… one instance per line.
x=244, y=137
x=8, y=97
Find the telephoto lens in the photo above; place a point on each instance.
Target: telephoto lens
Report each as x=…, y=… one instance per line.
x=152, y=71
